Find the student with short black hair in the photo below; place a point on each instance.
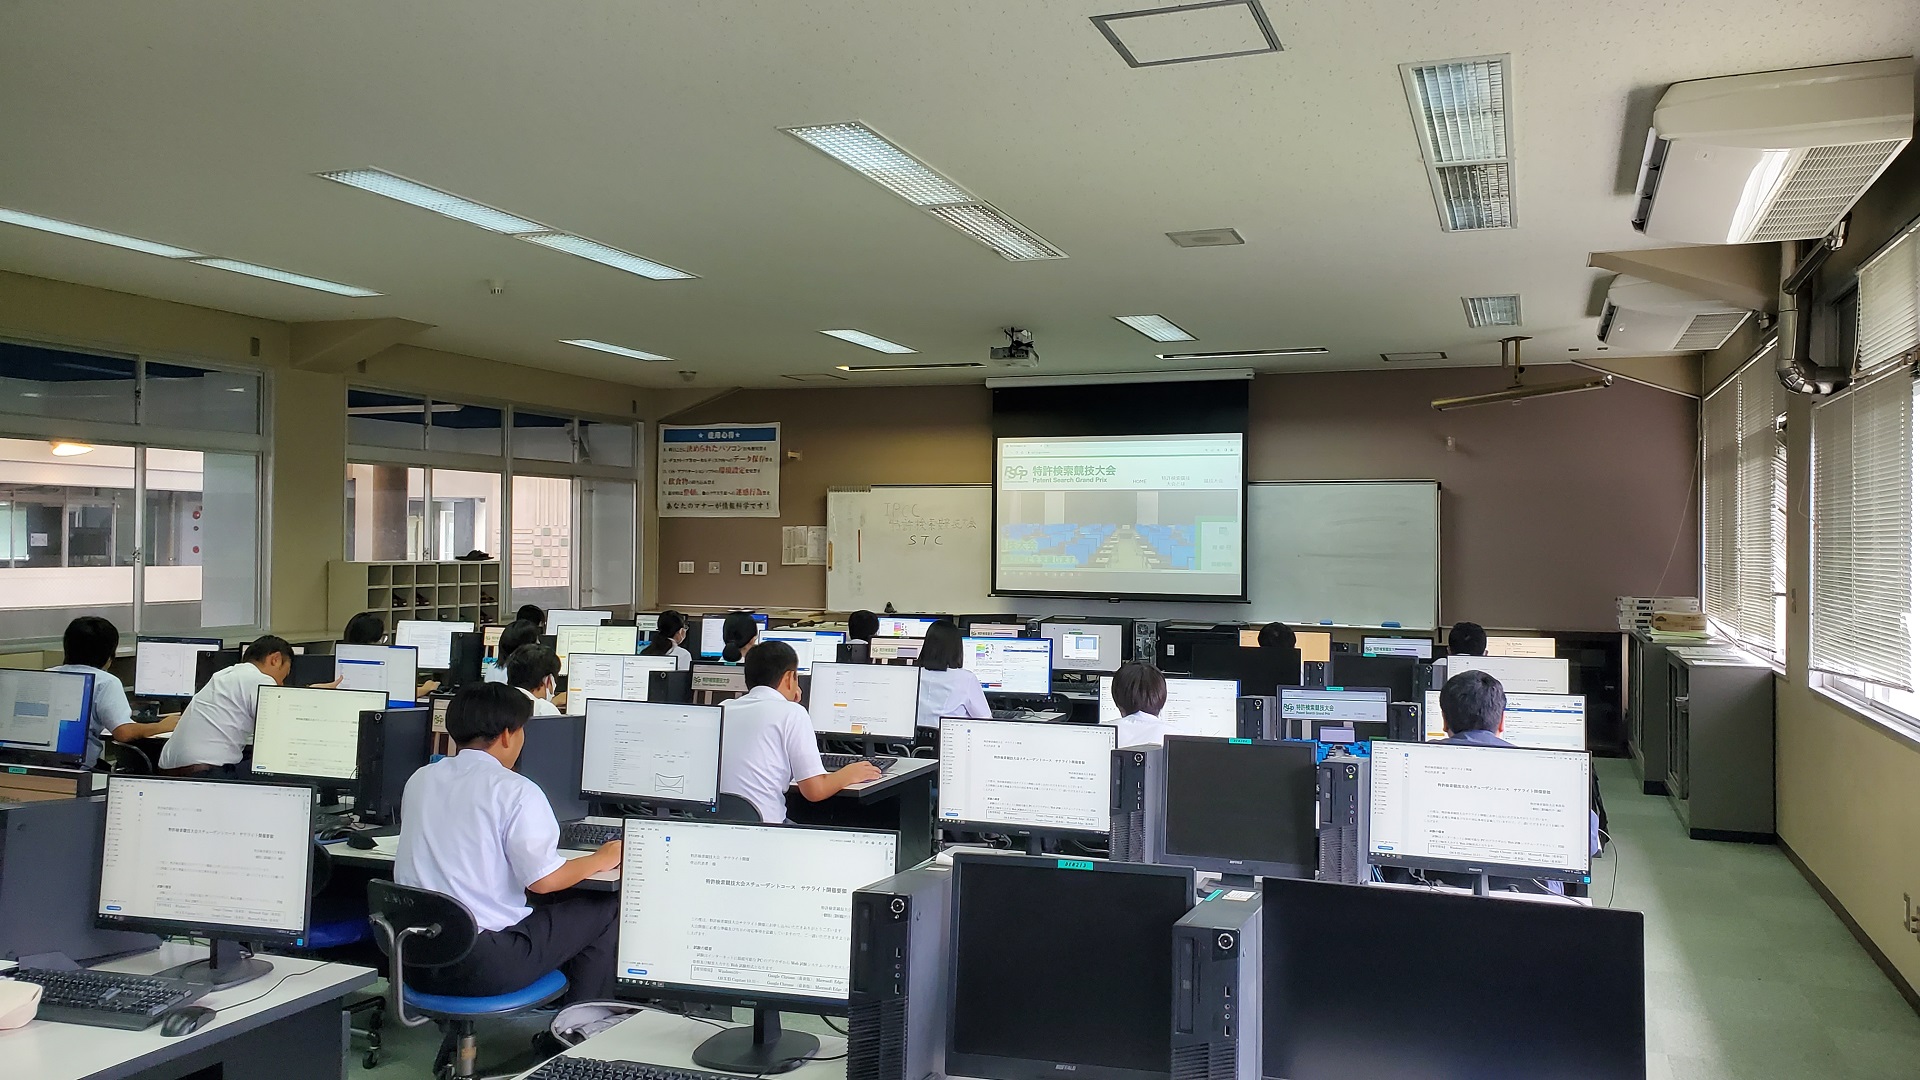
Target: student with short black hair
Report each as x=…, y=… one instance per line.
x=862, y=625
x=366, y=628
x=947, y=688
x=739, y=633
x=669, y=631
x=767, y=740
x=531, y=613
x=217, y=725
x=1277, y=636
x=477, y=831
x=1140, y=692
x=534, y=670
x=1467, y=639
x=518, y=633
x=89, y=646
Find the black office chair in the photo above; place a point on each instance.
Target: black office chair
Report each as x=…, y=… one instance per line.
x=125, y=758
x=422, y=928
x=735, y=808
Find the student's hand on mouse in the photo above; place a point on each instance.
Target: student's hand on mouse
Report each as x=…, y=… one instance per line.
x=428, y=687
x=607, y=856
x=860, y=772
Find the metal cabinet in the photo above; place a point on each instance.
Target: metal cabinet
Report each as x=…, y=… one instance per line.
x=1719, y=746
x=1647, y=704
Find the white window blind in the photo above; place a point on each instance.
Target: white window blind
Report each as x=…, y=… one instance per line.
x=1745, y=469
x=1889, y=319
x=1863, y=532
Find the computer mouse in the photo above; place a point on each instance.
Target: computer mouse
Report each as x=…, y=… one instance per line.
x=185, y=1020
x=361, y=841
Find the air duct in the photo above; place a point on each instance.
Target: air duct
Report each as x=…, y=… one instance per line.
x=1518, y=391
x=1797, y=373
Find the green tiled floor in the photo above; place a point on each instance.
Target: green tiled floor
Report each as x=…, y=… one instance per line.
x=1749, y=975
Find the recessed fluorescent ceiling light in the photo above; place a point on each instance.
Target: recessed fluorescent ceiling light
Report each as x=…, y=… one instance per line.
x=98, y=236
x=286, y=276
x=1461, y=110
x=1492, y=310
x=446, y=203
x=877, y=344
x=867, y=152
x=618, y=350
x=907, y=367
x=1157, y=327
x=1311, y=351
x=609, y=256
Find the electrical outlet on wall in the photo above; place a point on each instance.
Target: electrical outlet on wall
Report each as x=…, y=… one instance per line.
x=746, y=568
x=713, y=568
x=686, y=567
x=760, y=569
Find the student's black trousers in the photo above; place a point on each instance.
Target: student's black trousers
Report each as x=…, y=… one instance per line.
x=574, y=932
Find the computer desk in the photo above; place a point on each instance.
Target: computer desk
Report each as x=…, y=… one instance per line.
x=378, y=860
x=286, y=1025
x=657, y=1038
x=899, y=802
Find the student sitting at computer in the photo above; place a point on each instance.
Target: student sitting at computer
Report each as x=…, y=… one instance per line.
x=1467, y=639
x=862, y=625
x=947, y=688
x=1140, y=692
x=89, y=645
x=1277, y=636
x=516, y=634
x=669, y=630
x=368, y=628
x=534, y=670
x=217, y=724
x=531, y=613
x=767, y=742
x=1473, y=706
x=739, y=633
x=474, y=829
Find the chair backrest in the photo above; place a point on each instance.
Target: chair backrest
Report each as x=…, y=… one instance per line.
x=735, y=808
x=125, y=758
x=445, y=930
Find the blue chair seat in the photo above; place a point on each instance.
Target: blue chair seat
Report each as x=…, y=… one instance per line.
x=539, y=992
x=334, y=933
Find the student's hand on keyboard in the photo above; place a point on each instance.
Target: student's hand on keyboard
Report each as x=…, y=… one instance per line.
x=860, y=772
x=605, y=857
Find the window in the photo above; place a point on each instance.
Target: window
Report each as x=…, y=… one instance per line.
x=386, y=505
x=40, y=381
x=1889, y=306
x=1745, y=470
x=539, y=437
x=543, y=541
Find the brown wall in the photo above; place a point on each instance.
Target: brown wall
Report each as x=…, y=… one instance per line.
x=1550, y=508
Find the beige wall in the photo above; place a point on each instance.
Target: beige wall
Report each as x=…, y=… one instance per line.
x=1550, y=510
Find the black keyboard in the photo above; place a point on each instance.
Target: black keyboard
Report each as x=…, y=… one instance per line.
x=835, y=762
x=587, y=835
x=105, y=998
x=580, y=1068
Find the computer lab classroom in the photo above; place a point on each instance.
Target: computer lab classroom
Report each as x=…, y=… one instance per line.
x=1233, y=540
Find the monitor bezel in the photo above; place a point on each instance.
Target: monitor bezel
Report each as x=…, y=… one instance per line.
x=1126, y=641
x=1018, y=829
x=720, y=721
x=315, y=780
x=164, y=639
x=413, y=681
x=916, y=616
x=906, y=735
x=653, y=664
x=1487, y=867
x=1218, y=864
x=58, y=759
x=1280, y=706
x=195, y=927
x=647, y=989
x=699, y=637
x=472, y=626
x=966, y=642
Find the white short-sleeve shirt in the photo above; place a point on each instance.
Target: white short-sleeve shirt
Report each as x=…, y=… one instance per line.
x=767, y=745
x=110, y=707
x=953, y=692
x=541, y=706
x=217, y=724
x=479, y=832
x=1142, y=729
x=682, y=659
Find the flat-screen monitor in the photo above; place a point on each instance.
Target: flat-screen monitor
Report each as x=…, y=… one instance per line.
x=1089, y=646
x=559, y=617
x=490, y=639
x=1520, y=646
x=869, y=701
x=1141, y=516
x=1241, y=807
x=1203, y=707
x=163, y=666
x=608, y=638
x=989, y=628
x=713, y=640
x=808, y=644
x=1396, y=673
x=1035, y=779
x=1535, y=721
x=1481, y=809
x=611, y=676
x=391, y=669
x=208, y=664
x=434, y=640
x=913, y=626
x=1258, y=671
x=1418, y=648
x=209, y=858
x=1517, y=674
x=1304, y=705
x=1011, y=665
x=1315, y=646
x=1396, y=954
x=666, y=755
x=898, y=649
x=46, y=717
x=310, y=733
x=1062, y=967
x=714, y=683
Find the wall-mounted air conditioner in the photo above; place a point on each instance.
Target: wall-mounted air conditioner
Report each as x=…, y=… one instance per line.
x=1779, y=155
x=1647, y=317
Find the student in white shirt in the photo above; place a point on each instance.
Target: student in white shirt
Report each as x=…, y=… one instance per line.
x=1140, y=692
x=668, y=633
x=767, y=742
x=474, y=829
x=89, y=645
x=515, y=634
x=368, y=628
x=739, y=633
x=534, y=671
x=947, y=688
x=217, y=724
x=862, y=625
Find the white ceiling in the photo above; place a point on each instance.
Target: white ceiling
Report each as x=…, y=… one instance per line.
x=653, y=126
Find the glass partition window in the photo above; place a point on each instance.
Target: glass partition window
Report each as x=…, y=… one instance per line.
x=386, y=513
x=543, y=541
x=65, y=385
x=375, y=418
x=606, y=542
x=539, y=437
x=466, y=513
x=201, y=399
x=464, y=429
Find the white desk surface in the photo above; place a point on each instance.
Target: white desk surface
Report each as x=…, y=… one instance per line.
x=657, y=1038
x=909, y=766
x=48, y=1051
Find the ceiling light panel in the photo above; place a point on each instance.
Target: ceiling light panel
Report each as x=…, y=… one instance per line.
x=866, y=340
x=1157, y=327
x=618, y=350
x=867, y=152
x=286, y=276
x=98, y=236
x=607, y=256
x=1312, y=350
x=1462, y=111
x=445, y=203
x=1492, y=310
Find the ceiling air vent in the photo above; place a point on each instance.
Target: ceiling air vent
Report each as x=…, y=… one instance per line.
x=1206, y=238
x=1492, y=310
x=1460, y=109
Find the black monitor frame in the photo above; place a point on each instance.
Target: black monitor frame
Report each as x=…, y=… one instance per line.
x=27, y=757
x=1399, y=674
x=208, y=664
x=325, y=784
x=1238, y=870
x=1036, y=835
x=166, y=639
x=595, y=795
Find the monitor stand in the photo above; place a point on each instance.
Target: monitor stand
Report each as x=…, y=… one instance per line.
x=1480, y=885
x=224, y=966
x=1237, y=881
x=760, y=1050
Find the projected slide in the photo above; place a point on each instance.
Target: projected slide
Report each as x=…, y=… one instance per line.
x=1121, y=515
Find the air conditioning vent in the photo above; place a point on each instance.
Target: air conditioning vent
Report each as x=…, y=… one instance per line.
x=1492, y=310
x=1648, y=317
x=1707, y=332
x=1822, y=188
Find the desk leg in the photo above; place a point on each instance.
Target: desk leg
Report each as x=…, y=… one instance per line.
x=309, y=1045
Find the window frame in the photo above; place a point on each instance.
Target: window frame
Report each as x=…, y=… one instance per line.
x=1770, y=450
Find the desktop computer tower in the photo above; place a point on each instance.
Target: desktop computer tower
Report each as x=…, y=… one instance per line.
x=1343, y=819
x=670, y=687
x=1216, y=989
x=1403, y=722
x=394, y=743
x=1259, y=718
x=1146, y=642
x=896, y=1001
x=463, y=660
x=1135, y=825
x=1313, y=674
x=49, y=878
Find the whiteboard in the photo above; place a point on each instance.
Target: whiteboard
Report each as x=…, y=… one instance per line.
x=1339, y=553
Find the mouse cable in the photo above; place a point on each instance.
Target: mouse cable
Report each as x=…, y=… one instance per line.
x=218, y=1009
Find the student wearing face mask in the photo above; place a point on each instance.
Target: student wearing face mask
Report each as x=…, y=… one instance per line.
x=534, y=670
